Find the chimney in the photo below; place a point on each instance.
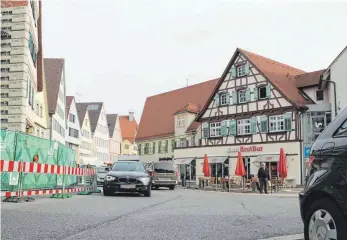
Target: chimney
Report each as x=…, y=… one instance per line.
x=131, y=115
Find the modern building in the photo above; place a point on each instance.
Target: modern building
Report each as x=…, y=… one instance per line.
x=334, y=81
x=86, y=153
x=168, y=122
x=99, y=128
x=115, y=143
x=73, y=133
x=129, y=128
x=56, y=94
x=21, y=64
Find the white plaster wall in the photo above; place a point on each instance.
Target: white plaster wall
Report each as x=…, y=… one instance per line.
x=75, y=125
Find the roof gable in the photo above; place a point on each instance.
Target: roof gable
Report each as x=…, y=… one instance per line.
x=54, y=68
x=94, y=110
x=128, y=128
x=279, y=75
x=308, y=79
x=189, y=108
x=68, y=102
x=111, y=122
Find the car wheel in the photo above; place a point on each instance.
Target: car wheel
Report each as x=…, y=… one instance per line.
x=172, y=187
x=324, y=220
x=106, y=193
x=148, y=193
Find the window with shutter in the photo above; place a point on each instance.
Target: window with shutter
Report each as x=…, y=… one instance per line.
x=227, y=98
x=216, y=100
x=223, y=99
x=262, y=92
x=205, y=130
x=233, y=72
x=242, y=96
x=224, y=128
x=288, y=121
x=139, y=150
x=167, y=146
x=255, y=93
x=248, y=95
x=159, y=147
x=254, y=125
x=172, y=144
x=234, y=97
x=263, y=124
x=232, y=127
x=276, y=123
x=153, y=147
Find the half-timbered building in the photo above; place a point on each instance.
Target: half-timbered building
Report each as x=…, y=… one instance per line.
x=256, y=109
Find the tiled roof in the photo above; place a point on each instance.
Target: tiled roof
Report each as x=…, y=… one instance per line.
x=308, y=79
x=193, y=126
x=93, y=114
x=111, y=122
x=53, y=72
x=68, y=104
x=190, y=107
x=157, y=118
x=128, y=128
x=280, y=75
x=9, y=4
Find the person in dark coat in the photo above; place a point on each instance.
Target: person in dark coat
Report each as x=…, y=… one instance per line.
x=263, y=176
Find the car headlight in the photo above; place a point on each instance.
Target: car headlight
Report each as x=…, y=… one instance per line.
x=144, y=180
x=110, y=178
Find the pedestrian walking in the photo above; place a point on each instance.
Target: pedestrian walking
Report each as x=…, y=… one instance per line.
x=263, y=177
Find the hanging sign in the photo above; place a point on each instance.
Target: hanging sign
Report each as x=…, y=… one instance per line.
x=59, y=180
x=14, y=176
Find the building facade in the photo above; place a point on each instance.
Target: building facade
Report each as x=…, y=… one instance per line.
x=56, y=94
x=129, y=127
x=73, y=131
x=115, y=143
x=21, y=64
x=100, y=132
x=86, y=153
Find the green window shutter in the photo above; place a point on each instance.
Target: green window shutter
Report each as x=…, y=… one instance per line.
x=216, y=100
x=172, y=144
x=263, y=124
x=33, y=98
x=228, y=97
x=146, y=148
x=268, y=91
x=254, y=125
x=247, y=69
x=159, y=147
x=233, y=72
x=153, y=152
x=288, y=121
x=224, y=128
x=167, y=146
x=139, y=149
x=234, y=97
x=255, y=93
x=205, y=130
x=248, y=95
x=232, y=127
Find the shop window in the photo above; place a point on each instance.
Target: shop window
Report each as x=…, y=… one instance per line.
x=319, y=95
x=243, y=126
x=215, y=129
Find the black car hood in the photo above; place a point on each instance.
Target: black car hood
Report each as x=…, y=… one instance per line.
x=127, y=174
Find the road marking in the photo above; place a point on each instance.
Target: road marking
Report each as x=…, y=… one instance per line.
x=287, y=237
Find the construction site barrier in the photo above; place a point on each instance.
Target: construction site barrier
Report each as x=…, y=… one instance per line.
x=34, y=166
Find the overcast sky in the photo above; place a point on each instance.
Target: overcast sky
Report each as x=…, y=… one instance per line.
x=121, y=52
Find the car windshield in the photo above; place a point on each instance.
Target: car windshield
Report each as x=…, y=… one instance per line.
x=164, y=167
x=101, y=170
x=128, y=166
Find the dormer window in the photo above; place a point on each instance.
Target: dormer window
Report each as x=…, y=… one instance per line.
x=181, y=121
x=241, y=70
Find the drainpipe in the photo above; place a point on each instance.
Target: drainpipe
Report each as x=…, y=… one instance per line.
x=301, y=147
x=335, y=100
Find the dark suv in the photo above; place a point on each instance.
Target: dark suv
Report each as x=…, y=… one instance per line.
x=323, y=202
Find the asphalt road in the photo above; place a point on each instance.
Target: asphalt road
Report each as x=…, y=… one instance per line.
x=178, y=214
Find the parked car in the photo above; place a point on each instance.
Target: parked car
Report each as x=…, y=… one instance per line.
x=100, y=175
x=323, y=202
x=164, y=174
x=127, y=176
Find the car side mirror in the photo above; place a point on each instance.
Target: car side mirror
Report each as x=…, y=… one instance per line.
x=108, y=169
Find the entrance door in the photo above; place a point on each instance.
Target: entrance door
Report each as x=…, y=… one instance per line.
x=247, y=164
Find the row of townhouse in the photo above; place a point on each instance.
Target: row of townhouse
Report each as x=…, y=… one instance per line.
x=33, y=94
x=256, y=107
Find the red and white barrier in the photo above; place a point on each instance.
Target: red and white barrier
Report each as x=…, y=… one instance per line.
x=30, y=167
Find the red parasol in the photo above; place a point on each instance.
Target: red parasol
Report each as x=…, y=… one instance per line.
x=206, y=167
x=240, y=167
x=282, y=165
